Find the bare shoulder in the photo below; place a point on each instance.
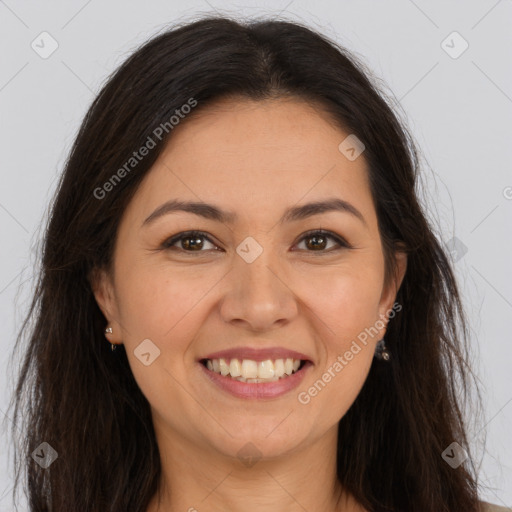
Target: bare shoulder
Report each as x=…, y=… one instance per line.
x=490, y=507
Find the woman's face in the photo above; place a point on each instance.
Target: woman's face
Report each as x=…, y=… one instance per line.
x=254, y=280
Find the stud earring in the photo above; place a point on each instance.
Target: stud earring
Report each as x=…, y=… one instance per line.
x=381, y=351
x=108, y=330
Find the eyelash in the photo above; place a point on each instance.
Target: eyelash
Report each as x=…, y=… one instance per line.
x=168, y=244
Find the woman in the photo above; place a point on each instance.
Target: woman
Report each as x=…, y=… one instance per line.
x=241, y=303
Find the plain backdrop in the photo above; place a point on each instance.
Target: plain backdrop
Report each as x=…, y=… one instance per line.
x=455, y=90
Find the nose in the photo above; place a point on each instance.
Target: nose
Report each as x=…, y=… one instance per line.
x=259, y=295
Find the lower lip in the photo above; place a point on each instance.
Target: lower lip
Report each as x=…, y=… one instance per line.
x=257, y=390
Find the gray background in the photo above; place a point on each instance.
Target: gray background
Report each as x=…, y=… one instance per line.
x=459, y=110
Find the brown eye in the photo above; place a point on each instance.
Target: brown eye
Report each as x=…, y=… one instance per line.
x=191, y=241
x=194, y=241
x=317, y=241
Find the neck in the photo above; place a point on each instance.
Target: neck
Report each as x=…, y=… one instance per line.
x=196, y=478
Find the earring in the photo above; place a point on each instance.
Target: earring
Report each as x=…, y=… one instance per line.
x=108, y=330
x=381, y=351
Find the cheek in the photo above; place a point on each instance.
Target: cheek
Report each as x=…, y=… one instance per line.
x=345, y=299
x=346, y=304
x=155, y=305
x=153, y=301
x=333, y=392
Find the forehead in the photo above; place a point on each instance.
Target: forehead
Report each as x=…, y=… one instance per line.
x=255, y=156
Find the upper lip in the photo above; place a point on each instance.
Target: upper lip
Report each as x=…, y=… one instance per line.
x=257, y=354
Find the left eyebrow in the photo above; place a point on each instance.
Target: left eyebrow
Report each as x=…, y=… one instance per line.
x=212, y=212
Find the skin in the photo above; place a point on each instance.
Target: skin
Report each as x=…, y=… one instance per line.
x=255, y=159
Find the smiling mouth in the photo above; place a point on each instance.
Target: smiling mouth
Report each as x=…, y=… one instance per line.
x=250, y=371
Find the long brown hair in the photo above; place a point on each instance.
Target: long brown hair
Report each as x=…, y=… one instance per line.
x=82, y=399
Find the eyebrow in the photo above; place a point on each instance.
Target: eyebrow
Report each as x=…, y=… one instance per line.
x=212, y=212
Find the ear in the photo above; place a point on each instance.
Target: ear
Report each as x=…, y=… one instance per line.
x=103, y=289
x=389, y=293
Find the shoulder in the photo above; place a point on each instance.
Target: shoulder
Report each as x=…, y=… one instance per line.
x=489, y=507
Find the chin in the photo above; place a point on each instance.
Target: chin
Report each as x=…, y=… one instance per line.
x=257, y=444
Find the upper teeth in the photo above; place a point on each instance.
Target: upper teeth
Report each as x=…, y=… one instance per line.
x=249, y=369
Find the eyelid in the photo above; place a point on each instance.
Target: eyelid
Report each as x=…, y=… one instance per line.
x=169, y=242
x=343, y=244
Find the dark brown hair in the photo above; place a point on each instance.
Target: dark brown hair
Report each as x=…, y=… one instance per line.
x=82, y=399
